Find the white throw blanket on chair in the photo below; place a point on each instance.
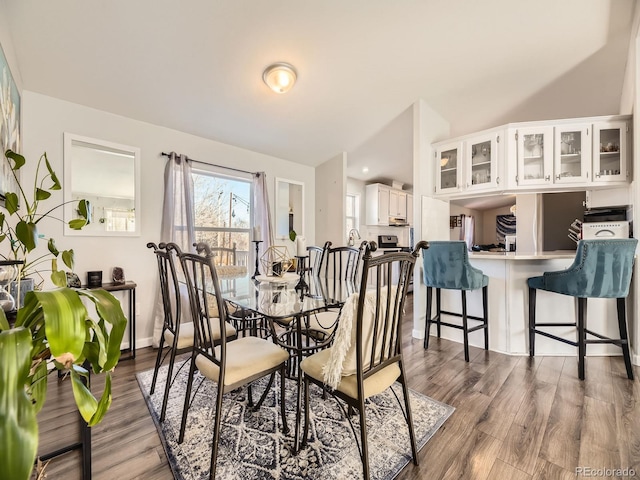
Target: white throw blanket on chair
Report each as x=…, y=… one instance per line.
x=342, y=361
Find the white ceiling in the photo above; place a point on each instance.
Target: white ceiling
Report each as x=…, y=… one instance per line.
x=196, y=67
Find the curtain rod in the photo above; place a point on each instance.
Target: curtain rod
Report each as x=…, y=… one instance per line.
x=164, y=154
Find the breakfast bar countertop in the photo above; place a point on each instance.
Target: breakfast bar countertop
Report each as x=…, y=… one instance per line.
x=551, y=255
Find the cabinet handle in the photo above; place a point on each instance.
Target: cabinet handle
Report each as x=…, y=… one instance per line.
x=497, y=180
x=597, y=175
x=587, y=174
x=516, y=178
x=557, y=177
x=547, y=178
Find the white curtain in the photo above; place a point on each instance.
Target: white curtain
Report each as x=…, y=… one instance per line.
x=467, y=231
x=262, y=211
x=177, y=220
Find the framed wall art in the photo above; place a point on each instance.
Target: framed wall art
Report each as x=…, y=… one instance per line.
x=9, y=125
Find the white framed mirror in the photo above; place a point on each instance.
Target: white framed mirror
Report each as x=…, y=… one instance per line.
x=289, y=208
x=108, y=176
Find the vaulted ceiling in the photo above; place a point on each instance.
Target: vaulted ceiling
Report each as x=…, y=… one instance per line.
x=196, y=67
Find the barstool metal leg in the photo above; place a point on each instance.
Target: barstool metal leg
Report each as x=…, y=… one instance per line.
x=485, y=313
x=465, y=327
x=532, y=321
x=582, y=335
x=427, y=326
x=438, y=310
x=624, y=340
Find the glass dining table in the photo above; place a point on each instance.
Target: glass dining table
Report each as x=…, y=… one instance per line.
x=289, y=307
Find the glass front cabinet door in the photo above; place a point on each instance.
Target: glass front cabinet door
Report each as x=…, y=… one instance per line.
x=449, y=168
x=535, y=155
x=481, y=159
x=572, y=159
x=610, y=151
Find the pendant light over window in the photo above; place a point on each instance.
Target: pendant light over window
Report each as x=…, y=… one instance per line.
x=280, y=77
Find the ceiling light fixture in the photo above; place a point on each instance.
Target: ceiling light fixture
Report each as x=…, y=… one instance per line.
x=365, y=169
x=280, y=77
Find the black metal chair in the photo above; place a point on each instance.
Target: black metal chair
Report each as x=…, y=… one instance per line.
x=372, y=321
x=177, y=336
x=230, y=364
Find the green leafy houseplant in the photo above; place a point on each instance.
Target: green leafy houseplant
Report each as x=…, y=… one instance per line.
x=52, y=331
x=20, y=228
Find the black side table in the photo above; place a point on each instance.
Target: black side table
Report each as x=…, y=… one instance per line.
x=131, y=287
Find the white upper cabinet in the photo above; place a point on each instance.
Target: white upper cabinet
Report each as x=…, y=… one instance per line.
x=610, y=152
x=481, y=161
x=449, y=167
x=397, y=204
x=535, y=155
x=572, y=153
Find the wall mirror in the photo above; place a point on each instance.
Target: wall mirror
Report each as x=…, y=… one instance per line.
x=289, y=208
x=108, y=176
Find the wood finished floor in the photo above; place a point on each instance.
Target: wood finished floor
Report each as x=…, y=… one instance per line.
x=516, y=418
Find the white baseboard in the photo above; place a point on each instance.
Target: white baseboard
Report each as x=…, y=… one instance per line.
x=417, y=334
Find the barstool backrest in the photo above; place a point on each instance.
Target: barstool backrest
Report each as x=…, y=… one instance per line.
x=601, y=269
x=446, y=265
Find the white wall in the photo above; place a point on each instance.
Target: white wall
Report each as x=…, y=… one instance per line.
x=44, y=121
x=331, y=190
x=428, y=127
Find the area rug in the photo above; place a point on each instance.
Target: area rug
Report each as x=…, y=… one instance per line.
x=252, y=445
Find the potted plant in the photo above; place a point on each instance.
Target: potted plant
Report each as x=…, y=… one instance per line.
x=53, y=329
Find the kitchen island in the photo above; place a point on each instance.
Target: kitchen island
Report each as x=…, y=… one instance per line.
x=509, y=308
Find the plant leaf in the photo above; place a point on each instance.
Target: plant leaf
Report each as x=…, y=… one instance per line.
x=292, y=235
x=27, y=233
x=18, y=424
x=109, y=310
x=18, y=159
x=105, y=402
x=11, y=202
x=4, y=323
x=59, y=278
x=42, y=194
x=86, y=402
x=54, y=177
x=64, y=316
x=51, y=245
x=39, y=386
x=84, y=209
x=77, y=223
x=68, y=258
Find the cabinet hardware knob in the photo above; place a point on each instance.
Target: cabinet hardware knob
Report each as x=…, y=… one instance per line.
x=547, y=178
x=557, y=177
x=498, y=180
x=597, y=175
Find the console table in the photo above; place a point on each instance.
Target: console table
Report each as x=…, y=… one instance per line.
x=131, y=288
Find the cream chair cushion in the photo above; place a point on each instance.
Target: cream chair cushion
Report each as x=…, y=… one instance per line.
x=185, y=336
x=375, y=384
x=247, y=359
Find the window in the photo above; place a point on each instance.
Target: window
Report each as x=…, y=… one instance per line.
x=222, y=214
x=352, y=216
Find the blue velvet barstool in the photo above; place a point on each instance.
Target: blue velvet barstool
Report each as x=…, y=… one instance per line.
x=601, y=269
x=446, y=265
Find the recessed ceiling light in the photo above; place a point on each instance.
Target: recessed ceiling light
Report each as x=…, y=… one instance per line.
x=365, y=169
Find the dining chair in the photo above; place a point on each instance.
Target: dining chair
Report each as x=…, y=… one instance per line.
x=177, y=336
x=366, y=356
x=601, y=269
x=446, y=266
x=224, y=255
x=229, y=364
x=316, y=257
x=340, y=266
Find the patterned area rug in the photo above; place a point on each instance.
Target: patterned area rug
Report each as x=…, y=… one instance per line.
x=253, y=445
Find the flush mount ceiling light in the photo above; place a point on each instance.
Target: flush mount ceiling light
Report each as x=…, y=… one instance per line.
x=280, y=77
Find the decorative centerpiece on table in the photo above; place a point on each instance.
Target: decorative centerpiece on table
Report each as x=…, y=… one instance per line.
x=275, y=261
x=52, y=329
